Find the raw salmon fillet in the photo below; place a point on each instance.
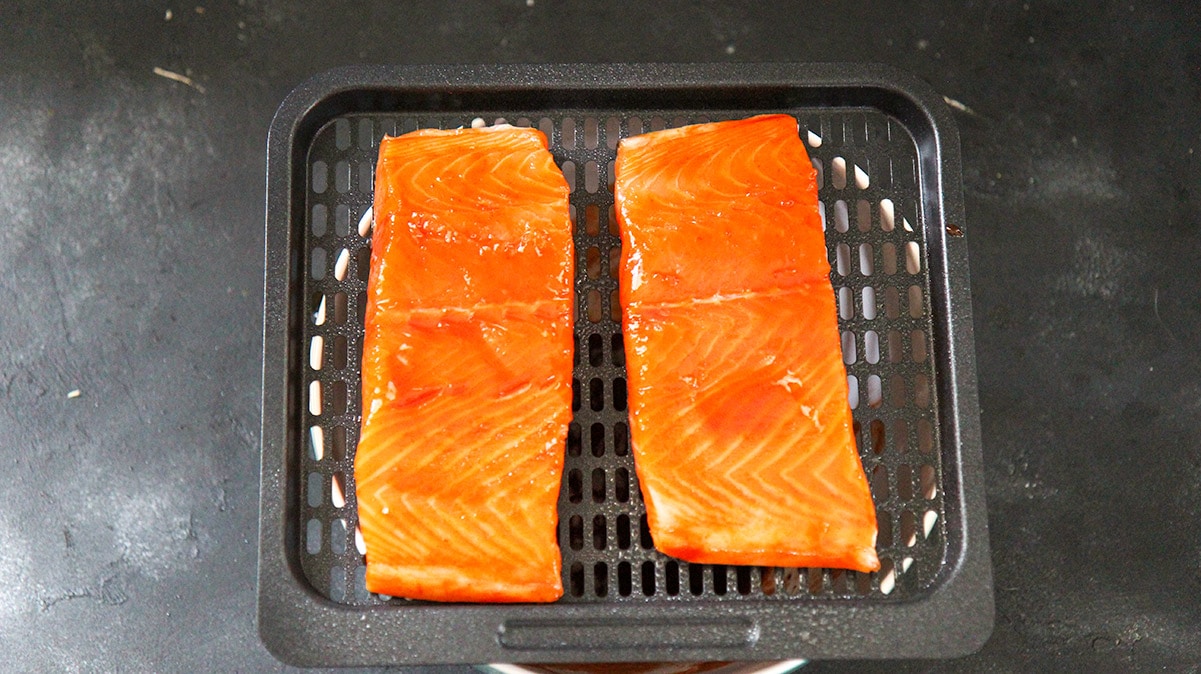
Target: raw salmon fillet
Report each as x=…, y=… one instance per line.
x=467, y=362
x=741, y=429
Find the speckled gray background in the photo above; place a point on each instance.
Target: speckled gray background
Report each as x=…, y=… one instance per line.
x=131, y=269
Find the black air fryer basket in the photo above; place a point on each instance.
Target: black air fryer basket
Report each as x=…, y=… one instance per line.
x=889, y=183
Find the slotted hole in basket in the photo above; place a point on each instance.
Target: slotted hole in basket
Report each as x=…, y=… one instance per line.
x=360, y=582
x=315, y=398
x=575, y=486
x=896, y=386
x=648, y=578
x=644, y=531
x=612, y=132
x=337, y=583
x=791, y=581
x=337, y=536
x=838, y=170
x=613, y=227
x=869, y=302
x=574, y=445
x=846, y=304
x=600, y=531
x=913, y=258
x=871, y=347
x=876, y=429
x=821, y=211
x=838, y=580
x=892, y=303
x=319, y=220
x=320, y=177
x=814, y=576
x=671, y=579
x=575, y=532
x=819, y=168
x=657, y=123
x=591, y=133
x=316, y=352
x=339, y=355
x=848, y=347
x=623, y=532
x=342, y=177
x=341, y=220
x=312, y=536
x=614, y=262
x=884, y=529
x=317, y=265
x=767, y=580
x=908, y=528
x=887, y=215
x=867, y=265
x=337, y=490
x=621, y=439
x=895, y=350
x=600, y=579
x=863, y=215
x=719, y=579
x=904, y=481
x=592, y=220
x=598, y=485
x=928, y=522
x=360, y=545
x=337, y=397
x=614, y=306
x=567, y=134
x=842, y=259
x=918, y=345
x=621, y=485
x=593, y=301
x=696, y=579
x=852, y=391
x=900, y=435
x=888, y=253
x=591, y=176
x=874, y=393
x=862, y=179
x=596, y=395
x=624, y=580
x=569, y=174
x=888, y=576
x=742, y=577
x=575, y=579
x=593, y=262
x=316, y=443
x=575, y=395
x=366, y=177
x=596, y=439
x=929, y=483
x=915, y=302
x=841, y=218
x=315, y=490
x=339, y=444
x=619, y=394
x=547, y=127
x=814, y=139
x=921, y=390
x=880, y=483
x=863, y=583
x=925, y=436
x=340, y=308
x=617, y=349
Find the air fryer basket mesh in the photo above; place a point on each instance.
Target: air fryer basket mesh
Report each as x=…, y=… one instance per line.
x=870, y=196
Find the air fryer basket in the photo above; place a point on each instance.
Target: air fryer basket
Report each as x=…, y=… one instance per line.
x=889, y=191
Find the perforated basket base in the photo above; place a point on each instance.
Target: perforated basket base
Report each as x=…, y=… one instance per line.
x=885, y=224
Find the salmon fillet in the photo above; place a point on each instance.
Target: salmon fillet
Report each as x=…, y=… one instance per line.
x=740, y=425
x=466, y=374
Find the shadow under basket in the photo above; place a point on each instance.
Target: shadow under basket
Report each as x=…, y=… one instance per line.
x=887, y=158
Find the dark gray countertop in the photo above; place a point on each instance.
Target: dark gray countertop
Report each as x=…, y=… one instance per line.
x=131, y=259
